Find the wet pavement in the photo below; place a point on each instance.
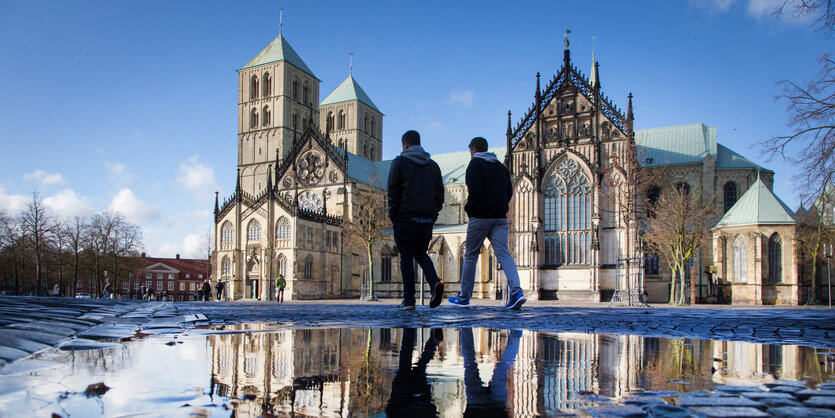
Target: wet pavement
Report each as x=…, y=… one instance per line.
x=76, y=357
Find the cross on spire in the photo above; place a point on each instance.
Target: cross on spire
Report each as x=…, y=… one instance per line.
x=280, y=20
x=350, y=63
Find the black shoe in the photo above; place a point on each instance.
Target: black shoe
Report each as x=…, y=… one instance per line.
x=403, y=306
x=437, y=295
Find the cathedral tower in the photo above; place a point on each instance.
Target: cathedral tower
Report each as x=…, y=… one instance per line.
x=277, y=99
x=353, y=121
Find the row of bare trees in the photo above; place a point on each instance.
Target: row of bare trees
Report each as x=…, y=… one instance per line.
x=39, y=250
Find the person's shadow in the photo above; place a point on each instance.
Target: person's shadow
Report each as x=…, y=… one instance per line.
x=490, y=400
x=411, y=392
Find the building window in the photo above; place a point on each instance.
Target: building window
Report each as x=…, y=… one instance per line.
x=308, y=268
x=171, y=286
x=567, y=215
x=124, y=285
x=342, y=120
x=226, y=232
x=225, y=266
x=335, y=241
x=282, y=265
x=653, y=194
x=365, y=123
x=282, y=232
x=305, y=93
x=159, y=285
x=159, y=276
x=267, y=86
x=253, y=118
x=192, y=287
x=373, y=127
x=683, y=188
x=188, y=276
x=253, y=232
x=775, y=258
x=651, y=264
x=365, y=150
x=148, y=285
x=329, y=122
x=199, y=276
x=296, y=89
x=266, y=119
x=253, y=88
x=170, y=277
x=148, y=275
x=740, y=260
x=295, y=121
x=182, y=287
x=136, y=286
x=730, y=195
x=371, y=153
x=386, y=265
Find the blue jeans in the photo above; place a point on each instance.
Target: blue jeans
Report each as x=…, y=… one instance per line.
x=412, y=240
x=496, y=231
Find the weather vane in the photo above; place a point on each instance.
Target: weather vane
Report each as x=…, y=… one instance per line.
x=280, y=20
x=567, y=31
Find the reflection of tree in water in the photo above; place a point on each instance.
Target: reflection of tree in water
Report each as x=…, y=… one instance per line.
x=371, y=393
x=669, y=362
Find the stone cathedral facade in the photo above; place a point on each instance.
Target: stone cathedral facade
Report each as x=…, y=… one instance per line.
x=302, y=165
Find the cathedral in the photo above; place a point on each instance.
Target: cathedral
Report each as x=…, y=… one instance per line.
x=304, y=167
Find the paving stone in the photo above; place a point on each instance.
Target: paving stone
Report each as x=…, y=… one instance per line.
x=795, y=412
x=759, y=396
x=667, y=411
x=9, y=354
x=827, y=385
x=39, y=337
x=820, y=402
x=695, y=401
x=738, y=389
x=785, y=389
x=777, y=402
x=107, y=332
x=723, y=411
x=23, y=344
x=805, y=394
x=786, y=382
x=626, y=411
x=83, y=344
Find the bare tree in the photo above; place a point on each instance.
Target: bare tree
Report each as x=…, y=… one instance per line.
x=74, y=231
x=822, y=11
x=100, y=233
x=62, y=244
x=680, y=225
x=205, y=249
x=815, y=229
x=367, y=226
x=126, y=244
x=38, y=230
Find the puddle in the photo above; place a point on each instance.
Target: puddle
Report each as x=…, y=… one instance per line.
x=255, y=370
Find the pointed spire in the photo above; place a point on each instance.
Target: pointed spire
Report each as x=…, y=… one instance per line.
x=596, y=75
x=269, y=177
x=217, y=206
x=593, y=80
x=509, y=134
x=538, y=90
x=630, y=117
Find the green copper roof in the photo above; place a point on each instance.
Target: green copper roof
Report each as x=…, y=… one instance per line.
x=368, y=172
x=758, y=206
x=279, y=50
x=454, y=164
x=730, y=160
x=675, y=145
x=348, y=91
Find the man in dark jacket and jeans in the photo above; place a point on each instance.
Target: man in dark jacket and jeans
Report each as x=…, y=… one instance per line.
x=489, y=192
x=415, y=196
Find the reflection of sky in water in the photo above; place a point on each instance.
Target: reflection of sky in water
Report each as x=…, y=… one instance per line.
x=257, y=368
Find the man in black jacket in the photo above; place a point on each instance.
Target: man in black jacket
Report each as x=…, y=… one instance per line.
x=489, y=192
x=415, y=196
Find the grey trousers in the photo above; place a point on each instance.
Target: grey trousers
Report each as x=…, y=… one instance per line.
x=496, y=231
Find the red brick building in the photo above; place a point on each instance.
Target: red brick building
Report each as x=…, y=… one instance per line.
x=179, y=277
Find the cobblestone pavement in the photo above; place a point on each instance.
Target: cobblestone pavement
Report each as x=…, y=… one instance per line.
x=769, y=325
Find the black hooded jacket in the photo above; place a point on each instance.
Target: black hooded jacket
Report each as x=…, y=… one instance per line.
x=415, y=188
x=488, y=187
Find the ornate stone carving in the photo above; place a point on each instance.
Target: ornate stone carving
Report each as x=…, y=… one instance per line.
x=311, y=167
x=333, y=176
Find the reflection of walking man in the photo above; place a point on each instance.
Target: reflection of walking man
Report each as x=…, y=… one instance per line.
x=489, y=401
x=411, y=392
x=415, y=196
x=489, y=192
x=280, y=284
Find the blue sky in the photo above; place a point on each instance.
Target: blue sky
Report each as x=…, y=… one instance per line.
x=131, y=105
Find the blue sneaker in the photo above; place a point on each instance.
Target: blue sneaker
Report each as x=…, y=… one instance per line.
x=516, y=301
x=455, y=300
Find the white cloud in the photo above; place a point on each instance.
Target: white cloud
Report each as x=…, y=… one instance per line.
x=191, y=245
x=119, y=172
x=198, y=179
x=13, y=204
x=67, y=204
x=133, y=208
x=45, y=178
x=462, y=97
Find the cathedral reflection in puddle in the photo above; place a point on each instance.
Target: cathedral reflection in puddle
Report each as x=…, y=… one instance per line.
x=454, y=372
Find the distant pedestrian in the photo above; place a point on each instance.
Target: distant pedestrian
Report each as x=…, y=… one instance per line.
x=415, y=196
x=165, y=296
x=107, y=291
x=219, y=288
x=143, y=292
x=207, y=290
x=199, y=293
x=56, y=291
x=488, y=197
x=280, y=284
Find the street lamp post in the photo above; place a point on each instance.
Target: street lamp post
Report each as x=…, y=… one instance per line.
x=828, y=252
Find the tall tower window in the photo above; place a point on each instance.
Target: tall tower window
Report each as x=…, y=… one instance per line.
x=308, y=268
x=226, y=232
x=266, y=119
x=254, y=231
x=371, y=153
x=253, y=118
x=282, y=232
x=267, y=86
x=365, y=123
x=305, y=93
x=329, y=122
x=295, y=121
x=342, y=120
x=740, y=260
x=373, y=127
x=253, y=87
x=775, y=258
x=296, y=89
x=730, y=195
x=365, y=150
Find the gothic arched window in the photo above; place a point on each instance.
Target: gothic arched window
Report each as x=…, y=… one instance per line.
x=266, y=118
x=226, y=232
x=253, y=118
x=295, y=121
x=225, y=267
x=365, y=123
x=267, y=85
x=341, y=121
x=253, y=87
x=308, y=268
x=373, y=127
x=740, y=260
x=730, y=195
x=567, y=215
x=282, y=232
x=282, y=265
x=371, y=153
x=653, y=194
x=296, y=88
x=305, y=93
x=386, y=255
x=253, y=232
x=775, y=258
x=365, y=150
x=329, y=122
